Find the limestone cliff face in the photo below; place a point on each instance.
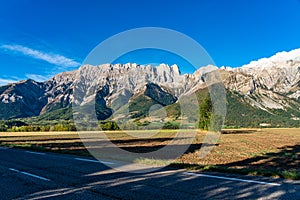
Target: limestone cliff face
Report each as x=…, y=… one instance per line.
x=269, y=83
x=272, y=83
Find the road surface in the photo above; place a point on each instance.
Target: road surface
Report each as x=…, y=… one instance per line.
x=35, y=175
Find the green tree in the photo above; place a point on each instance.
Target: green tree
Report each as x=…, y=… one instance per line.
x=205, y=113
x=110, y=125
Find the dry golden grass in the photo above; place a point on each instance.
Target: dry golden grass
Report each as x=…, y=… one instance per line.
x=259, y=151
x=237, y=145
x=16, y=134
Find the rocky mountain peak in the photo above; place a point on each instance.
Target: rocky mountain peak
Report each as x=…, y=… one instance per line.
x=279, y=73
x=269, y=83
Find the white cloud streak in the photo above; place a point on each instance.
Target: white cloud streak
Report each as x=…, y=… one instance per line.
x=55, y=59
x=37, y=77
x=4, y=81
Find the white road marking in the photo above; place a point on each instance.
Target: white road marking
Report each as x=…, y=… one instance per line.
x=4, y=148
x=95, y=161
x=28, y=174
x=231, y=179
x=32, y=152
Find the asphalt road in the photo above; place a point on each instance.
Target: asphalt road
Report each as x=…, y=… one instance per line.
x=33, y=175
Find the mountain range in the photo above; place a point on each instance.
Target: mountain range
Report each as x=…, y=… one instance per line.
x=265, y=92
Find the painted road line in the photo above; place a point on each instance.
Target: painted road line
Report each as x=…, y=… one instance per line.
x=28, y=174
x=37, y=153
x=232, y=179
x=94, y=161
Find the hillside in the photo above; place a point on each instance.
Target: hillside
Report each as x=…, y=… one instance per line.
x=266, y=92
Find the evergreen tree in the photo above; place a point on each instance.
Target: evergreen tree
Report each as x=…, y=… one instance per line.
x=205, y=113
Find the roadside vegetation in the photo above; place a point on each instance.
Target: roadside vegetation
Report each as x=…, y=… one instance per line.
x=22, y=126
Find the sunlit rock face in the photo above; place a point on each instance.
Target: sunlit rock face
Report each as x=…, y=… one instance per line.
x=269, y=83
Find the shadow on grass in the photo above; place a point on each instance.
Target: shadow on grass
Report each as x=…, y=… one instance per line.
x=284, y=163
x=238, y=131
x=131, y=145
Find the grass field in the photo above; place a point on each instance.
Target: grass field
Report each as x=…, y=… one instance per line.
x=268, y=152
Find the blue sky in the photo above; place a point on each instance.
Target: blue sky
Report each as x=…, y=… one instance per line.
x=41, y=38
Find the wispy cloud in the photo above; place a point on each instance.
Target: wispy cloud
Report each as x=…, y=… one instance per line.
x=55, y=59
x=37, y=77
x=4, y=81
x=13, y=79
